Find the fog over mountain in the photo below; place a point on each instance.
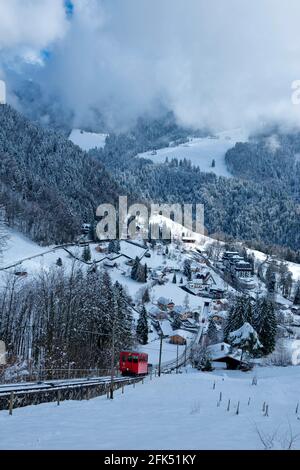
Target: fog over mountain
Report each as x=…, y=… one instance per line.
x=213, y=63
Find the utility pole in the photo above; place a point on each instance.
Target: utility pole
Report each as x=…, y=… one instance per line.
x=112, y=373
x=160, y=353
x=177, y=358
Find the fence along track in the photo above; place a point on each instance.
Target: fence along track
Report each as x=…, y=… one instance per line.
x=20, y=395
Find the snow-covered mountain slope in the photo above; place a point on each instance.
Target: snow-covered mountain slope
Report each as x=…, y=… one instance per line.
x=171, y=412
x=18, y=247
x=202, y=151
x=87, y=140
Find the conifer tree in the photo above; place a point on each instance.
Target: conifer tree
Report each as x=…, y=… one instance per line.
x=297, y=295
x=246, y=339
x=240, y=313
x=187, y=269
x=266, y=325
x=146, y=296
x=124, y=316
x=135, y=268
x=142, y=327
x=176, y=325
x=174, y=280
x=86, y=255
x=141, y=275
x=271, y=278
x=212, y=331
x=111, y=246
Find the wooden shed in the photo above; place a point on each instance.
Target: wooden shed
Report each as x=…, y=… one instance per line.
x=178, y=339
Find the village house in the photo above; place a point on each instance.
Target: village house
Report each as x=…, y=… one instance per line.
x=219, y=304
x=156, y=313
x=219, y=317
x=178, y=338
x=223, y=353
x=188, y=240
x=165, y=304
x=177, y=310
x=236, y=264
x=101, y=248
x=206, y=278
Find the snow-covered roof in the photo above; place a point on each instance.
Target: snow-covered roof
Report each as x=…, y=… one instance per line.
x=163, y=301
x=221, y=350
x=131, y=250
x=178, y=309
x=166, y=328
x=153, y=310
x=221, y=314
x=183, y=333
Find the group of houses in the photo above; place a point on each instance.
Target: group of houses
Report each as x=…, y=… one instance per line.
x=236, y=265
x=175, y=322
x=166, y=309
x=204, y=284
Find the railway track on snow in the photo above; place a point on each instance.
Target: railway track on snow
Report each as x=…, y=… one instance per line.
x=33, y=393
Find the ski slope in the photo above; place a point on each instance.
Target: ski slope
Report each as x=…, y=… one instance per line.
x=202, y=151
x=171, y=412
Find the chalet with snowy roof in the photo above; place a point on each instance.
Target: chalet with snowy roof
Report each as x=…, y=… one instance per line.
x=241, y=268
x=219, y=317
x=220, y=304
x=206, y=278
x=155, y=312
x=85, y=228
x=165, y=304
x=179, y=337
x=178, y=310
x=228, y=255
x=188, y=240
x=166, y=329
x=110, y=263
x=224, y=353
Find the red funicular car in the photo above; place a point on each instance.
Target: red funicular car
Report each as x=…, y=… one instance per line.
x=133, y=363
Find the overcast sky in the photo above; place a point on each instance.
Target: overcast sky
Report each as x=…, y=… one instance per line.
x=213, y=62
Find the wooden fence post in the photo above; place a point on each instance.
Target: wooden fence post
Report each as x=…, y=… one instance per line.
x=267, y=410
x=11, y=403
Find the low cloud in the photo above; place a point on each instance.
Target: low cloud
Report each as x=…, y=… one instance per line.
x=218, y=64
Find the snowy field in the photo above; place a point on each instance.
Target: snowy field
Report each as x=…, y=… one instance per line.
x=173, y=412
x=18, y=247
x=87, y=140
x=201, y=151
